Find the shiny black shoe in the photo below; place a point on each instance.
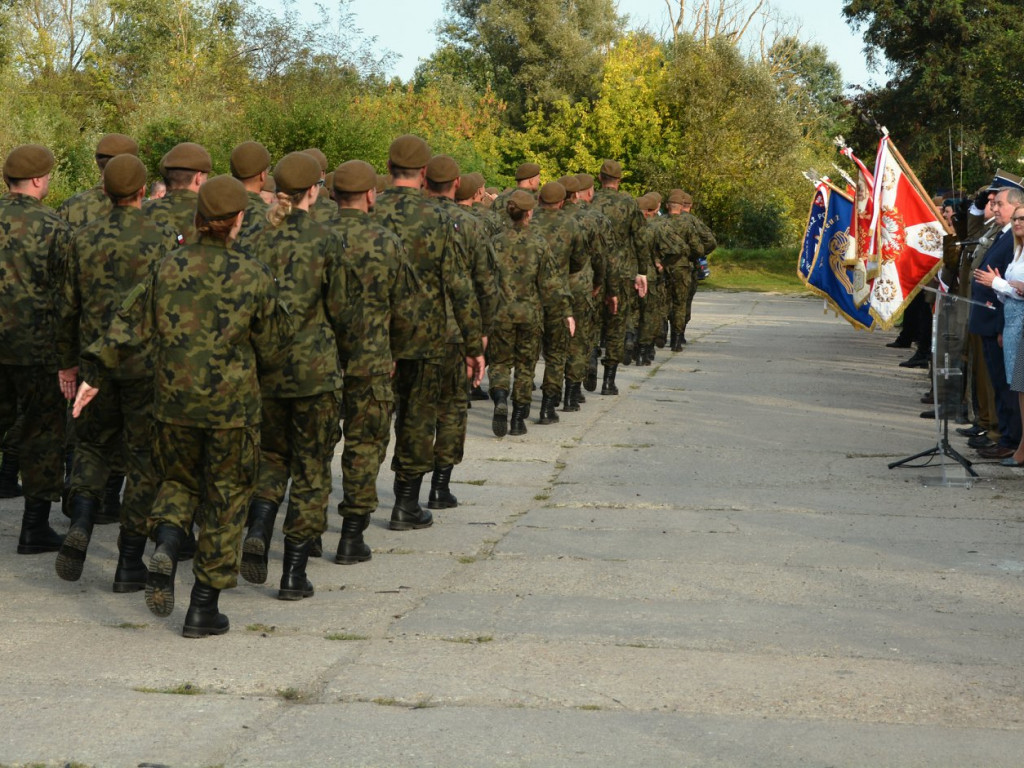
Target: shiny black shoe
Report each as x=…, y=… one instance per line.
x=204, y=617
x=441, y=496
x=294, y=584
x=351, y=547
x=407, y=514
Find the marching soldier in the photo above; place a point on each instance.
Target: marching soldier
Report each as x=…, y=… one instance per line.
x=250, y=164
x=184, y=169
x=94, y=203
x=33, y=239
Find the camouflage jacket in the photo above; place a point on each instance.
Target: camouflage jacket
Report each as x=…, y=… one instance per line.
x=597, y=236
x=323, y=209
x=626, y=223
x=177, y=210
x=693, y=248
x=107, y=258
x=306, y=259
x=85, y=206
x=707, y=239
x=440, y=271
x=212, y=317
x=33, y=239
x=489, y=219
x=529, y=278
x=566, y=242
x=481, y=267
x=377, y=276
x=255, y=219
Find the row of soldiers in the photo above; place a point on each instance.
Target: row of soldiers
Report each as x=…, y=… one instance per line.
x=218, y=347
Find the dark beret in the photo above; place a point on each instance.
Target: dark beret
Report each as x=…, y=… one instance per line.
x=114, y=144
x=221, y=198
x=441, y=169
x=319, y=156
x=586, y=181
x=355, y=176
x=124, y=175
x=409, y=151
x=29, y=161
x=527, y=171
x=248, y=159
x=523, y=200
x=296, y=171
x=469, y=184
x=187, y=156
x=612, y=169
x=552, y=192
x=571, y=184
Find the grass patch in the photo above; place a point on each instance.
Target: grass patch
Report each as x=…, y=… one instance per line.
x=345, y=636
x=260, y=628
x=470, y=640
x=387, y=702
x=130, y=625
x=542, y=497
x=399, y=551
x=738, y=269
x=466, y=559
x=293, y=694
x=474, y=482
x=185, y=689
x=633, y=645
x=590, y=707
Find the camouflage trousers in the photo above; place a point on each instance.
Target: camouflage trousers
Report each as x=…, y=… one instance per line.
x=583, y=341
x=34, y=390
x=211, y=471
x=680, y=281
x=452, y=409
x=297, y=440
x=691, y=293
x=417, y=394
x=120, y=418
x=513, y=346
x=368, y=405
x=615, y=324
x=555, y=345
x=652, y=310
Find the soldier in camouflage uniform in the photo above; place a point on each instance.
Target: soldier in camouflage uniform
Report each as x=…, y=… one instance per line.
x=93, y=203
x=377, y=272
x=302, y=398
x=708, y=244
x=184, y=169
x=527, y=179
x=33, y=239
x=78, y=210
x=250, y=164
x=566, y=243
x=681, y=272
x=324, y=208
x=450, y=440
x=211, y=315
x=108, y=257
x=531, y=282
x=626, y=222
x=440, y=272
x=661, y=243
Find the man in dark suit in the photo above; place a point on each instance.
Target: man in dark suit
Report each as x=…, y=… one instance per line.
x=988, y=324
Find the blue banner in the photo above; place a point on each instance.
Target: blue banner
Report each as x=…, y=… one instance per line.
x=814, y=223
x=828, y=277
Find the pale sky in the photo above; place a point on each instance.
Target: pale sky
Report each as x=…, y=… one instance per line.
x=407, y=28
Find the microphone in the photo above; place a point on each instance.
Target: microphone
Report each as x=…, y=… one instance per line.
x=979, y=241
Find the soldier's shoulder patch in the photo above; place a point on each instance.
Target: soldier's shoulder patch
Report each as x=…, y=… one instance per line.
x=133, y=296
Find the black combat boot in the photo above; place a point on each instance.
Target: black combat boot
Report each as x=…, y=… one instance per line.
x=575, y=397
x=441, y=496
x=131, y=573
x=407, y=514
x=163, y=565
x=608, y=384
x=590, y=382
x=256, y=546
x=673, y=339
x=499, y=422
x=660, y=336
x=351, y=547
x=204, y=617
x=566, y=392
x=477, y=393
x=36, y=534
x=646, y=354
x=677, y=342
x=71, y=556
x=294, y=584
x=548, y=414
x=628, y=348
x=110, y=512
x=317, y=550
x=9, y=488
x=518, y=421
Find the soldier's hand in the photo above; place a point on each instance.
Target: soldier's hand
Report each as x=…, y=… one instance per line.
x=483, y=339
x=571, y=322
x=640, y=283
x=68, y=380
x=475, y=369
x=85, y=395
x=613, y=304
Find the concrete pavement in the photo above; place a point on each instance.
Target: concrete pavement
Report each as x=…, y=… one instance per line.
x=715, y=568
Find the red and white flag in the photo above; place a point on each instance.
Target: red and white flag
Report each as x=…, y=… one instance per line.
x=910, y=232
x=861, y=258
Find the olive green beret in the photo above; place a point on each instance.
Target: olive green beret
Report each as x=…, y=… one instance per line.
x=527, y=171
x=248, y=159
x=29, y=161
x=187, y=156
x=469, y=185
x=114, y=144
x=221, y=198
x=355, y=176
x=647, y=202
x=492, y=190
x=522, y=200
x=612, y=169
x=552, y=192
x=586, y=181
x=571, y=184
x=383, y=181
x=269, y=185
x=441, y=169
x=678, y=197
x=656, y=196
x=124, y=175
x=409, y=151
x=296, y=171
x=319, y=156
x=328, y=181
